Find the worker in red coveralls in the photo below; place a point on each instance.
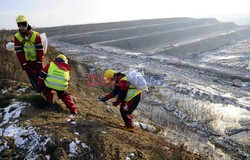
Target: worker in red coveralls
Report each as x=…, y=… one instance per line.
x=29, y=49
x=128, y=96
x=55, y=77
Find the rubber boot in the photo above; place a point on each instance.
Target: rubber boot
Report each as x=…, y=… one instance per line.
x=68, y=101
x=49, y=94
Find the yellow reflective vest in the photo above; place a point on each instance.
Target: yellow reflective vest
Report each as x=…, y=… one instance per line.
x=28, y=45
x=57, y=78
x=132, y=91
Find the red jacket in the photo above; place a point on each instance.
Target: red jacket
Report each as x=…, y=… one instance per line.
x=19, y=48
x=120, y=89
x=43, y=74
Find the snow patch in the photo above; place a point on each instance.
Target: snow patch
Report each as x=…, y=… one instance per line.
x=131, y=154
x=23, y=89
x=244, y=101
x=77, y=141
x=102, y=57
x=24, y=137
x=145, y=127
x=73, y=149
x=224, y=57
x=140, y=65
x=12, y=111
x=44, y=143
x=3, y=145
x=227, y=33
x=74, y=51
x=248, y=68
x=229, y=95
x=133, y=53
x=4, y=91
x=73, y=122
x=47, y=157
x=76, y=133
x=84, y=146
x=71, y=116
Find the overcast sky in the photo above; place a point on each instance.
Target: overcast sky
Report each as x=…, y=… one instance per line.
x=44, y=13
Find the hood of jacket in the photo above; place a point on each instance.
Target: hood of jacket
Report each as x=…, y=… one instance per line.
x=62, y=65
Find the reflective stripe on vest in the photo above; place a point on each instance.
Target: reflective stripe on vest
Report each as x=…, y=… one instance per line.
x=28, y=45
x=132, y=91
x=57, y=78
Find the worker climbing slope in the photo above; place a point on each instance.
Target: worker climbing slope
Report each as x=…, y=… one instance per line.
x=55, y=77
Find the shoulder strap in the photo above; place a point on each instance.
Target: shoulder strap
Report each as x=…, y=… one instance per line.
x=20, y=38
x=125, y=78
x=32, y=36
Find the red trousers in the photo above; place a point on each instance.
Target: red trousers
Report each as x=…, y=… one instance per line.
x=33, y=72
x=33, y=69
x=127, y=108
x=63, y=95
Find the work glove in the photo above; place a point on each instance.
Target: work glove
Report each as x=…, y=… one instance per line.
x=114, y=104
x=39, y=65
x=102, y=99
x=25, y=66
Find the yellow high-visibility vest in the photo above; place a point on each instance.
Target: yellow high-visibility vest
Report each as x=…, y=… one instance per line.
x=57, y=78
x=28, y=45
x=132, y=91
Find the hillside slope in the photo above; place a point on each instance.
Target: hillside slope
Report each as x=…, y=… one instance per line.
x=198, y=70
x=30, y=129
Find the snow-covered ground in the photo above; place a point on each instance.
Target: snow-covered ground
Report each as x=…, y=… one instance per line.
x=202, y=92
x=26, y=138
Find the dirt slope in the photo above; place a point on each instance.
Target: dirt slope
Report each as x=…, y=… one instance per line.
x=97, y=124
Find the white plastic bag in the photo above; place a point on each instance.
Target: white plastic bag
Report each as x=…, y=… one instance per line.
x=137, y=80
x=10, y=46
x=44, y=42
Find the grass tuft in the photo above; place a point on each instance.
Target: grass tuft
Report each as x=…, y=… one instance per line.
x=154, y=157
x=35, y=100
x=5, y=100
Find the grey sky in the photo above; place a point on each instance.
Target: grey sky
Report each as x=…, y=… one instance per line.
x=66, y=12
